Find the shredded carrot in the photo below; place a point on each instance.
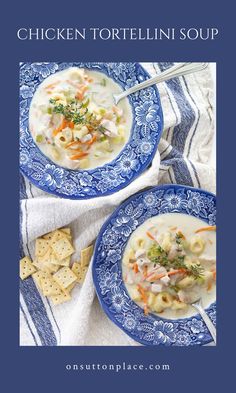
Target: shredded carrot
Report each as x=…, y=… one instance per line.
x=91, y=141
x=60, y=128
x=173, y=228
x=158, y=276
x=80, y=94
x=176, y=271
x=88, y=78
x=143, y=294
x=209, y=286
x=74, y=143
x=63, y=125
x=78, y=155
x=214, y=274
x=52, y=85
x=70, y=124
x=89, y=127
x=78, y=150
x=210, y=228
x=150, y=274
x=145, y=271
x=135, y=268
x=181, y=235
x=150, y=235
x=146, y=311
x=144, y=298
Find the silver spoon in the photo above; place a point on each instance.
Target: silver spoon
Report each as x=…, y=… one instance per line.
x=179, y=69
x=198, y=306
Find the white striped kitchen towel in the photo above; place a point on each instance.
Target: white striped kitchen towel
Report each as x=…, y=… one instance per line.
x=183, y=157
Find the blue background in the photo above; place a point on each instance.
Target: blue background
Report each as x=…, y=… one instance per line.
x=42, y=369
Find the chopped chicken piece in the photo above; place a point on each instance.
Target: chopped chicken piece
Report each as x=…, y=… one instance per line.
x=140, y=253
x=165, y=280
x=156, y=288
x=110, y=127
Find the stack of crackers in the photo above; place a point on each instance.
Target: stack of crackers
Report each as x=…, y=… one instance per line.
x=51, y=268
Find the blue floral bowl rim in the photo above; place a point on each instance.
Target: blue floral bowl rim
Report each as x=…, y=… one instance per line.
x=94, y=275
x=128, y=181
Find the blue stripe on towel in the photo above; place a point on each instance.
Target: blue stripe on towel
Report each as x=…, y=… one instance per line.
x=35, y=304
x=27, y=322
x=37, y=312
x=196, y=174
x=187, y=114
x=198, y=116
x=180, y=132
x=27, y=238
x=55, y=321
x=180, y=168
x=23, y=195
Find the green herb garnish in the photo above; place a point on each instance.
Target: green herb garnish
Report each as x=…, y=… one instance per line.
x=178, y=238
x=196, y=270
x=39, y=138
x=102, y=129
x=73, y=111
x=103, y=82
x=157, y=255
x=174, y=288
x=85, y=104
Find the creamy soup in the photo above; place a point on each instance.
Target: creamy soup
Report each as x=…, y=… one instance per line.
x=170, y=262
x=74, y=121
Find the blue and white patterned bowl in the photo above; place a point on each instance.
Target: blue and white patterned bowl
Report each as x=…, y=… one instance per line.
x=133, y=159
x=107, y=272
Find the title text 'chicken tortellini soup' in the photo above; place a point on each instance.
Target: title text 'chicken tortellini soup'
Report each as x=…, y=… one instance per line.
x=74, y=121
x=170, y=262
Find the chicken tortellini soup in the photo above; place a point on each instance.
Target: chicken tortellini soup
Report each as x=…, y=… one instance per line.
x=170, y=262
x=74, y=121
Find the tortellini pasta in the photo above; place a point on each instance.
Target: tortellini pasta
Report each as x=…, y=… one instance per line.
x=129, y=257
x=163, y=301
x=76, y=74
x=186, y=282
x=80, y=132
x=196, y=244
x=166, y=242
x=151, y=299
x=177, y=305
x=60, y=98
x=64, y=137
x=157, y=302
x=139, y=242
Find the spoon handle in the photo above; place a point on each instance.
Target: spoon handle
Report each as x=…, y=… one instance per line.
x=177, y=70
x=206, y=319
